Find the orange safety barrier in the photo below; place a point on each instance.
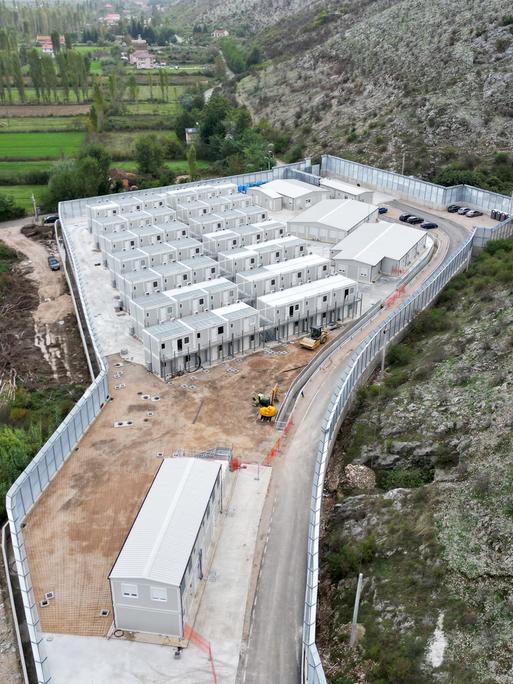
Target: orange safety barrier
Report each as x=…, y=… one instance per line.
x=191, y=635
x=275, y=450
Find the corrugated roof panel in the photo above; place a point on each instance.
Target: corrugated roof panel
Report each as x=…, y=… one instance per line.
x=160, y=542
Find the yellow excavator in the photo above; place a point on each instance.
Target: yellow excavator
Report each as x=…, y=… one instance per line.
x=317, y=337
x=266, y=403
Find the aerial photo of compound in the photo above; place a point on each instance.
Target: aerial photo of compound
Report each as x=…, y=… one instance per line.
x=171, y=524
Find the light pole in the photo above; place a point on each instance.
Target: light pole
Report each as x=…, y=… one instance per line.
x=352, y=640
x=383, y=353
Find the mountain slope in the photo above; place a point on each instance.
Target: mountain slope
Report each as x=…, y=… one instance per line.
x=374, y=78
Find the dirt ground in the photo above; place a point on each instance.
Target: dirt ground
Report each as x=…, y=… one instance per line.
x=78, y=526
x=44, y=330
x=44, y=110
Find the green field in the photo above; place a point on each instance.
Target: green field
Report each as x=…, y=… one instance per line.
x=22, y=194
x=96, y=67
x=178, y=166
x=152, y=108
x=23, y=166
x=41, y=123
x=37, y=146
x=123, y=142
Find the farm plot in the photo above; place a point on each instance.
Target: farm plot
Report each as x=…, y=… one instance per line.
x=22, y=194
x=34, y=124
x=51, y=145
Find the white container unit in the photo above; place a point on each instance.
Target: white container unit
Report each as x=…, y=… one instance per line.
x=295, y=310
x=200, y=339
x=206, y=224
x=276, y=277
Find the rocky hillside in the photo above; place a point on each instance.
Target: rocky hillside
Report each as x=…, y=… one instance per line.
x=419, y=499
x=372, y=79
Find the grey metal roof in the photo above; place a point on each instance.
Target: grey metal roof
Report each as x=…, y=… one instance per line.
x=185, y=242
x=160, y=211
x=231, y=213
x=372, y=242
x=203, y=320
x=128, y=254
x=249, y=229
x=187, y=292
x=335, y=213
x=107, y=220
x=234, y=312
x=146, y=230
x=140, y=276
x=160, y=542
x=160, y=248
x=168, y=330
x=199, y=261
x=152, y=301
x=205, y=219
x=220, y=234
x=173, y=268
x=300, y=292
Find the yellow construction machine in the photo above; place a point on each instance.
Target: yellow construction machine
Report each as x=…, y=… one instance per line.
x=317, y=337
x=266, y=403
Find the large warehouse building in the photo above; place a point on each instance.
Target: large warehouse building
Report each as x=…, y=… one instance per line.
x=164, y=557
x=376, y=248
x=331, y=220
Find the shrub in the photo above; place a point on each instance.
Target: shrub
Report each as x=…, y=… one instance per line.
x=407, y=478
x=350, y=558
x=9, y=209
x=502, y=44
x=431, y=320
x=399, y=355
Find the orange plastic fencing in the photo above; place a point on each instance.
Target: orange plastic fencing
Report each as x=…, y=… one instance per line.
x=191, y=635
x=275, y=450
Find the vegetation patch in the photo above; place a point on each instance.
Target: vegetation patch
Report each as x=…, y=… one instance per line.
x=432, y=539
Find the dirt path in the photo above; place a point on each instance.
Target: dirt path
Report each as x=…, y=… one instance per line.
x=54, y=334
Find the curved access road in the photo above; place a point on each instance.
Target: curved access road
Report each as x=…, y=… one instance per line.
x=272, y=648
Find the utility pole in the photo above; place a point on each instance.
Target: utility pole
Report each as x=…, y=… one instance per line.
x=383, y=354
x=403, y=162
x=34, y=206
x=352, y=640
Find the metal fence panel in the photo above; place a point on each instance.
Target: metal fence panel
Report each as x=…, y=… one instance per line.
x=363, y=357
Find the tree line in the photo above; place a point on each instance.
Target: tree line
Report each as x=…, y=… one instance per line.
x=69, y=72
x=30, y=20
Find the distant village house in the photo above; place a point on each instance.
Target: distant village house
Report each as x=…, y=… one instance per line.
x=141, y=59
x=46, y=43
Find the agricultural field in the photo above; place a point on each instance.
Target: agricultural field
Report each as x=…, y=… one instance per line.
x=50, y=145
x=36, y=124
x=120, y=143
x=178, y=166
x=22, y=194
x=23, y=166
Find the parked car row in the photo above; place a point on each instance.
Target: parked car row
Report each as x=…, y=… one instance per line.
x=415, y=220
x=498, y=215
x=463, y=211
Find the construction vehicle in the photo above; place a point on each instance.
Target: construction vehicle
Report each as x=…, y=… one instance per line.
x=266, y=403
x=317, y=337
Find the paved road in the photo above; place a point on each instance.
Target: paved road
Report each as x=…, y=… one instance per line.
x=273, y=649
